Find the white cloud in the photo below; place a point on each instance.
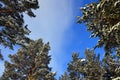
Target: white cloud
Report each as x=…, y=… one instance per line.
x=54, y=17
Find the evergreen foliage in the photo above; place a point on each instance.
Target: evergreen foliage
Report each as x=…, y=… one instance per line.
x=103, y=20
x=65, y=76
x=88, y=68
x=12, y=28
x=111, y=66
x=30, y=63
x=92, y=68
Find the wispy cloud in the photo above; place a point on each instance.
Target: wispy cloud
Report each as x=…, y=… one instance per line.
x=53, y=19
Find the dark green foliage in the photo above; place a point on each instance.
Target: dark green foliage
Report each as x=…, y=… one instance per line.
x=111, y=65
x=12, y=28
x=73, y=67
x=88, y=68
x=103, y=20
x=65, y=76
x=92, y=68
x=30, y=63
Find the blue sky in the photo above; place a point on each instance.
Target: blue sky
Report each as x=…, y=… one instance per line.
x=56, y=23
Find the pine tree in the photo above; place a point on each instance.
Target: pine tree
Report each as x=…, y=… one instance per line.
x=30, y=63
x=73, y=67
x=89, y=68
x=103, y=20
x=111, y=66
x=12, y=28
x=92, y=68
x=65, y=76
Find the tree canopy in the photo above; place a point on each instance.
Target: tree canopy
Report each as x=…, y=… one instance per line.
x=32, y=59
x=91, y=67
x=103, y=20
x=12, y=28
x=30, y=63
